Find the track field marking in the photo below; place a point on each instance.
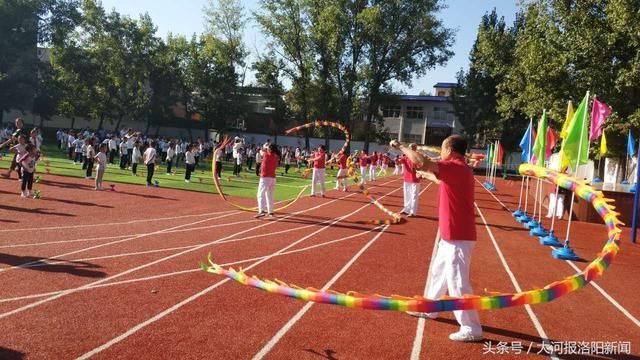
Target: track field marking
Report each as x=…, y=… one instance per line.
x=177, y=306
x=606, y=295
x=417, y=341
x=514, y=281
x=126, y=272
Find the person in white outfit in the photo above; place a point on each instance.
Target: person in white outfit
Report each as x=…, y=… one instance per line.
x=373, y=159
x=267, y=184
x=363, y=159
x=411, y=185
x=449, y=270
x=319, y=159
x=341, y=176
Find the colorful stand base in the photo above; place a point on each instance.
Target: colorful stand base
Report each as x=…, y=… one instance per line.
x=597, y=180
x=517, y=213
x=565, y=253
x=539, y=231
x=523, y=219
x=625, y=182
x=531, y=224
x=550, y=240
x=489, y=186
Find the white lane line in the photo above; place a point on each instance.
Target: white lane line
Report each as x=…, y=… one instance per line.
x=66, y=227
x=177, y=306
x=126, y=272
x=417, y=341
x=59, y=257
x=182, y=272
x=516, y=285
x=606, y=295
x=276, y=338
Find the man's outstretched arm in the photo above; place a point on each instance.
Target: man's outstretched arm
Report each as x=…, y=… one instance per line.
x=421, y=161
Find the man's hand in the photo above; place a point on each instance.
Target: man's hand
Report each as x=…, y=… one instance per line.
x=394, y=144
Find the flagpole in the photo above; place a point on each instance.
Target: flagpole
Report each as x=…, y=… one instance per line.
x=573, y=194
x=495, y=164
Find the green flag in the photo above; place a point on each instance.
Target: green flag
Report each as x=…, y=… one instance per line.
x=540, y=146
x=577, y=139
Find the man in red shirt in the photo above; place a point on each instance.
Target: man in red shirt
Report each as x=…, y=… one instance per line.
x=411, y=185
x=364, y=166
x=450, y=268
x=385, y=164
x=341, y=177
x=267, y=184
x=319, y=159
x=374, y=166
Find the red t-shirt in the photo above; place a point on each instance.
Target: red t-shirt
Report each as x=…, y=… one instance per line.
x=363, y=160
x=319, y=160
x=269, y=164
x=374, y=159
x=456, y=215
x=385, y=160
x=409, y=171
x=342, y=161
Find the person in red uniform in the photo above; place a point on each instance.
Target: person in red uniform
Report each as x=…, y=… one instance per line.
x=411, y=185
x=267, y=184
x=319, y=159
x=341, y=176
x=364, y=166
x=450, y=268
x=385, y=164
x=374, y=166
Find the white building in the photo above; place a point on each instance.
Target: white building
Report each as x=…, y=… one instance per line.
x=423, y=119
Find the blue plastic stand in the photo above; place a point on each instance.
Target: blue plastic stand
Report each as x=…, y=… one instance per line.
x=625, y=182
x=597, y=180
x=524, y=218
x=517, y=213
x=550, y=240
x=531, y=224
x=565, y=253
x=489, y=186
x=633, y=188
x=156, y=183
x=539, y=231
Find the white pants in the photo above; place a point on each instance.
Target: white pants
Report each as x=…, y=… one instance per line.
x=266, y=186
x=383, y=169
x=372, y=172
x=318, y=177
x=558, y=204
x=363, y=174
x=396, y=170
x=450, y=272
x=342, y=173
x=411, y=197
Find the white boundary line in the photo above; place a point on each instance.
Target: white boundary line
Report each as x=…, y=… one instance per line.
x=131, y=270
x=276, y=338
x=606, y=295
x=175, y=307
x=516, y=285
x=181, y=272
x=417, y=341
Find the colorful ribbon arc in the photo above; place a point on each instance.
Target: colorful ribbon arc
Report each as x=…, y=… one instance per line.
x=468, y=302
x=396, y=218
x=227, y=141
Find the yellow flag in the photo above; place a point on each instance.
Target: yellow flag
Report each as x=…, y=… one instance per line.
x=565, y=126
x=603, y=145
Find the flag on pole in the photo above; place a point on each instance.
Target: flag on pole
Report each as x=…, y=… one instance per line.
x=575, y=146
x=631, y=145
x=552, y=140
x=525, y=143
x=603, y=145
x=488, y=154
x=499, y=154
x=599, y=114
x=540, y=146
x=567, y=120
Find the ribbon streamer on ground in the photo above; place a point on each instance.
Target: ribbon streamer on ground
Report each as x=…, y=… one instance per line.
x=468, y=302
x=227, y=141
x=396, y=218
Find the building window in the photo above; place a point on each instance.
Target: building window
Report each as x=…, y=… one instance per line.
x=394, y=136
x=391, y=111
x=412, y=138
x=415, y=112
x=440, y=114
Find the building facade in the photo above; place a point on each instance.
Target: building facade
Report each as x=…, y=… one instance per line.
x=423, y=119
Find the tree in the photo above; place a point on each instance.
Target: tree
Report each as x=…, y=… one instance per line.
x=268, y=71
x=401, y=39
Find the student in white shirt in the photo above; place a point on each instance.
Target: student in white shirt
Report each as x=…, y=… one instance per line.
x=124, y=155
x=71, y=146
x=171, y=153
x=27, y=162
x=101, y=160
x=150, y=161
x=190, y=160
x=89, y=155
x=113, y=149
x=136, y=156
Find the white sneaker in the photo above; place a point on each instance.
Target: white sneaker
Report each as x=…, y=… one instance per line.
x=187, y=181
x=23, y=194
x=464, y=337
x=423, y=315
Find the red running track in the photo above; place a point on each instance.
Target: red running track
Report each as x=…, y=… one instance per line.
x=114, y=275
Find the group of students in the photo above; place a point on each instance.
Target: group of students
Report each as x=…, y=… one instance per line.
x=449, y=271
x=25, y=147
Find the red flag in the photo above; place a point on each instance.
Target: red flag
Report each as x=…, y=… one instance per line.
x=552, y=140
x=499, y=154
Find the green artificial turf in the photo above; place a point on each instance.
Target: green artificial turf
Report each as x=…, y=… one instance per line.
x=287, y=187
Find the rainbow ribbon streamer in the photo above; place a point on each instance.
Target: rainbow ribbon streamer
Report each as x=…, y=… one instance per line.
x=227, y=141
x=468, y=302
x=396, y=218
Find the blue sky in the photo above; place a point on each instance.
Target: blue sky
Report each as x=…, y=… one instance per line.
x=186, y=17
